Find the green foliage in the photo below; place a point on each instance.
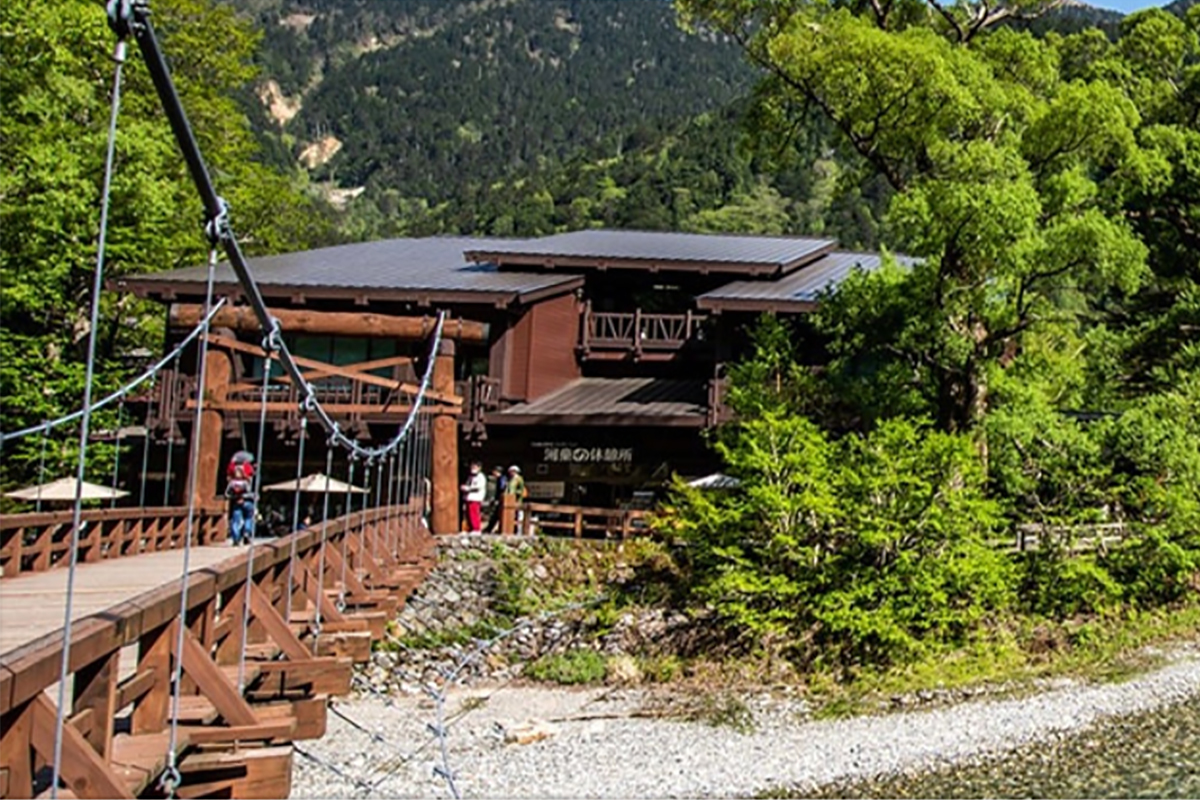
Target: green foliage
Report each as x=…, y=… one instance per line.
x=578, y=666
x=54, y=99
x=870, y=548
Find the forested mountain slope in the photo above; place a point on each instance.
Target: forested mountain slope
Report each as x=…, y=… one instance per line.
x=426, y=98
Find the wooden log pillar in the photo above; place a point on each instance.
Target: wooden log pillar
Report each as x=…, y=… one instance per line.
x=445, y=448
x=218, y=372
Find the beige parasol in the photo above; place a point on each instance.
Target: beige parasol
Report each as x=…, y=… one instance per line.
x=63, y=490
x=317, y=483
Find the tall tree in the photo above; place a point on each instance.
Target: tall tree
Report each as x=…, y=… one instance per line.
x=55, y=88
x=1001, y=167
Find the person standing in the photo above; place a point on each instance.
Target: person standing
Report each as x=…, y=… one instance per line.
x=496, y=485
x=474, y=491
x=241, y=506
x=516, y=488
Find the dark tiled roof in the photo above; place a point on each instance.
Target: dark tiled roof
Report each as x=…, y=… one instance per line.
x=798, y=291
x=391, y=268
x=613, y=401
x=758, y=254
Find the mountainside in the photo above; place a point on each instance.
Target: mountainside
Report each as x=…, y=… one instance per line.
x=422, y=98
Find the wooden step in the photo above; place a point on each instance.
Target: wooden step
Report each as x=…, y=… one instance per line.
x=252, y=672
x=139, y=759
x=197, y=710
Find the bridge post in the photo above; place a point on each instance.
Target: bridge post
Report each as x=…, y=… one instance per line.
x=445, y=447
x=218, y=371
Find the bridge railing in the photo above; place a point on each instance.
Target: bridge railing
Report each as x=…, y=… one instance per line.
x=40, y=541
x=580, y=521
x=235, y=721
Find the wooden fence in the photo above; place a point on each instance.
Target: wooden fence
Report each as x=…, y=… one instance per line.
x=580, y=521
x=231, y=742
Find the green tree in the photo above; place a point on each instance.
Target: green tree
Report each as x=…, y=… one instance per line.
x=55, y=86
x=1000, y=169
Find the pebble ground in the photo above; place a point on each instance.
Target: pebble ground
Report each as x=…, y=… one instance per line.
x=601, y=747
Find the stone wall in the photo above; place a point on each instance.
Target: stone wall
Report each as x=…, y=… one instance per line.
x=453, y=613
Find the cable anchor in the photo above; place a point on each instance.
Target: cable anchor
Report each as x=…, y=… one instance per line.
x=217, y=229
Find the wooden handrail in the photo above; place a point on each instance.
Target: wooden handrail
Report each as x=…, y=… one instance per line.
x=289, y=670
x=39, y=541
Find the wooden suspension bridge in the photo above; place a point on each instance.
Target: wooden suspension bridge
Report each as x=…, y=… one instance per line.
x=246, y=691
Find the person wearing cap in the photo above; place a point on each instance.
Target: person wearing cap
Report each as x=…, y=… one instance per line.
x=516, y=484
x=517, y=491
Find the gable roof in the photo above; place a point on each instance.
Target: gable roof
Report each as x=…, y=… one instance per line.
x=613, y=401
x=422, y=270
x=652, y=250
x=797, y=292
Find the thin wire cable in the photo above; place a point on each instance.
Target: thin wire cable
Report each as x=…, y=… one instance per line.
x=316, y=628
x=257, y=491
x=124, y=390
x=170, y=778
x=145, y=455
x=362, y=518
x=168, y=470
x=378, y=504
x=341, y=603
x=89, y=373
x=291, y=570
x=117, y=455
x=41, y=471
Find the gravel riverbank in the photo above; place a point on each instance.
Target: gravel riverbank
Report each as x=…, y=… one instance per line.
x=599, y=742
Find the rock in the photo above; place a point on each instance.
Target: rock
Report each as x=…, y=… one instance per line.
x=527, y=732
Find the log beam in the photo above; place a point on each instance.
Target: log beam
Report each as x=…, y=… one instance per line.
x=334, y=323
x=444, y=514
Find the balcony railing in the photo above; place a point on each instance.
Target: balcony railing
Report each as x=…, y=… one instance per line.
x=480, y=395
x=638, y=332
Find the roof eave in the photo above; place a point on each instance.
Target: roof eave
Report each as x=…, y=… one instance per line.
x=761, y=305
x=552, y=261
x=169, y=291
x=606, y=420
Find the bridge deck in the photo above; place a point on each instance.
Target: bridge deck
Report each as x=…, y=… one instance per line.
x=33, y=604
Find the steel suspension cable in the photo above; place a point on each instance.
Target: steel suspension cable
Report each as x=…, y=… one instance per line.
x=171, y=778
x=85, y=424
x=378, y=505
x=145, y=453
x=291, y=570
x=316, y=628
x=257, y=492
x=41, y=471
x=125, y=390
x=117, y=455
x=170, y=464
x=341, y=604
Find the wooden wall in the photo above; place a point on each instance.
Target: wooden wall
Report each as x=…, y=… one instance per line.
x=536, y=354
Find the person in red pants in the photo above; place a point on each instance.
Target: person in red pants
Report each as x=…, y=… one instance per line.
x=474, y=491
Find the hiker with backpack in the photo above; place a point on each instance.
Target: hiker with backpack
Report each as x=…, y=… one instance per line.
x=240, y=494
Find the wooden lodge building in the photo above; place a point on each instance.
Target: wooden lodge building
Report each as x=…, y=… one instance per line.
x=594, y=359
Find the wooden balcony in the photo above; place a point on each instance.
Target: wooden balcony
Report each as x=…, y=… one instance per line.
x=638, y=333
x=480, y=395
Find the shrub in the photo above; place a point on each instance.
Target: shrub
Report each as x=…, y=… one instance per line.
x=572, y=667
x=872, y=548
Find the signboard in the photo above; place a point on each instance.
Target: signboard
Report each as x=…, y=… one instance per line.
x=570, y=454
x=546, y=490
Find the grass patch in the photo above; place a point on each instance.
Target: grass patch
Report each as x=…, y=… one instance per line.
x=722, y=711
x=1012, y=659
x=446, y=637
x=570, y=668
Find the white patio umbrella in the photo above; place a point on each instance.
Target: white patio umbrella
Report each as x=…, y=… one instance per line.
x=63, y=490
x=718, y=480
x=317, y=483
